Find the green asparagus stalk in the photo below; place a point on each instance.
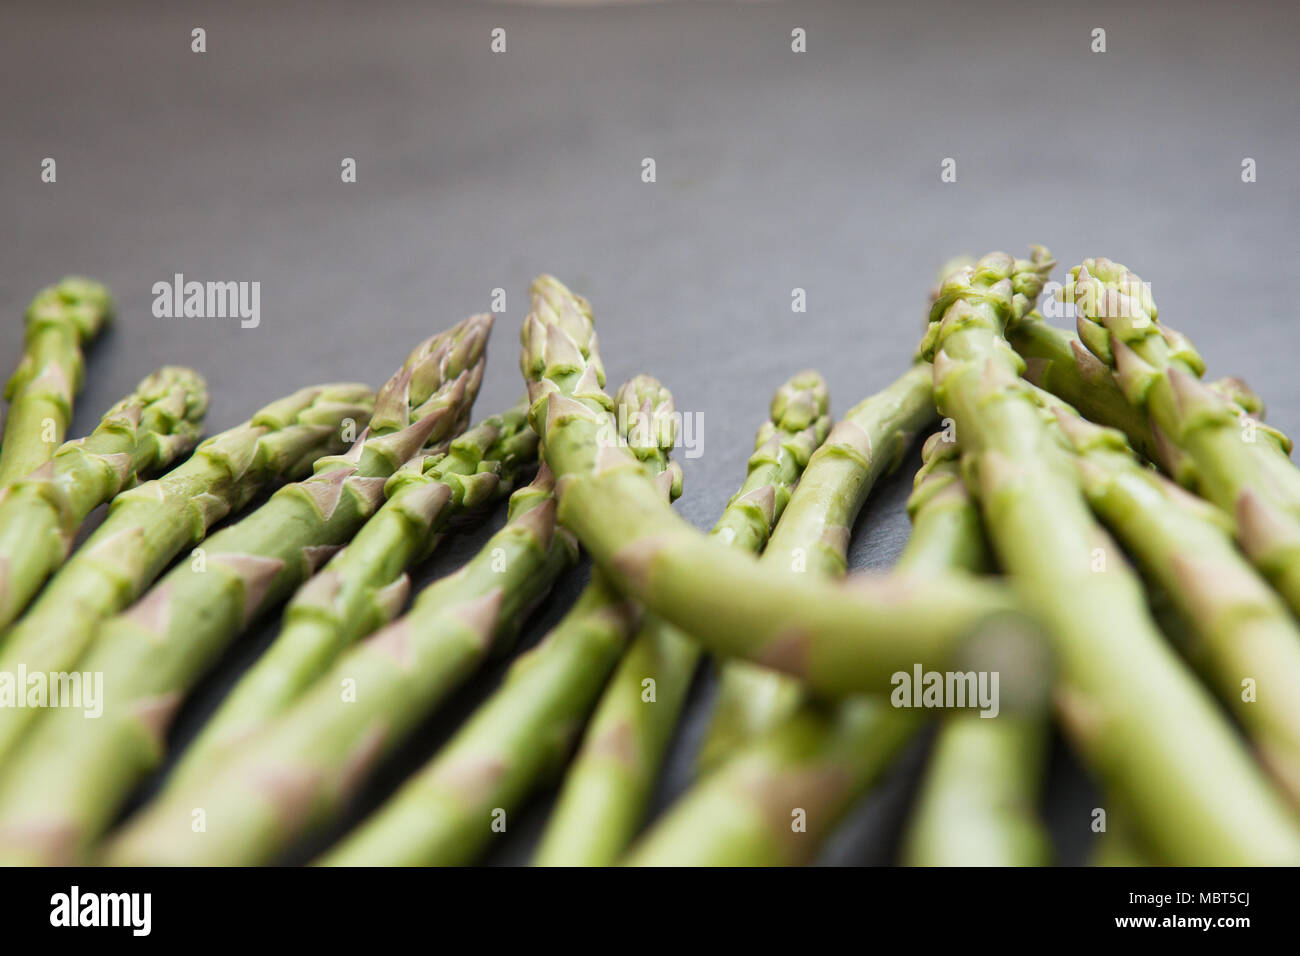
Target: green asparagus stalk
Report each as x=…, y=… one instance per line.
x=446, y=813
x=299, y=773
x=1056, y=361
x=365, y=585
x=60, y=320
x=69, y=775
x=813, y=537
x=41, y=513
x=837, y=638
x=1143, y=724
x=1118, y=845
x=740, y=815
x=608, y=785
x=1206, y=440
x=148, y=525
x=777, y=798
x=976, y=805
x=1242, y=636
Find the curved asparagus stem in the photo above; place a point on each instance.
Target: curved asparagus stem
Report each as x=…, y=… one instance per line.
x=1142, y=722
x=445, y=813
x=365, y=585
x=41, y=513
x=838, y=638
x=813, y=537
x=1207, y=441
x=70, y=775
x=148, y=525
x=301, y=771
x=780, y=795
x=1056, y=361
x=60, y=320
x=608, y=784
x=1242, y=636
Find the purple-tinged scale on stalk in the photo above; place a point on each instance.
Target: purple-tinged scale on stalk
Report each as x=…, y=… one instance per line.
x=789, y=652
x=255, y=572
x=391, y=598
x=538, y=522
x=481, y=616
x=611, y=457
x=764, y=500
x=316, y=555
x=154, y=715
x=560, y=409
x=424, y=502
x=1133, y=374
x=996, y=471
x=369, y=491
x=1197, y=404
x=561, y=354
x=325, y=491
x=1261, y=528
x=153, y=612
x=836, y=539
x=616, y=743
x=361, y=760
x=1210, y=586
x=400, y=445
x=853, y=438
x=635, y=561
x=394, y=642
x=321, y=590
x=1172, y=458
x=289, y=790
x=50, y=840
x=472, y=776
x=591, y=384
x=669, y=481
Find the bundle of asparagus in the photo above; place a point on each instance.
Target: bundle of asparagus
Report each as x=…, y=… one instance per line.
x=1052, y=442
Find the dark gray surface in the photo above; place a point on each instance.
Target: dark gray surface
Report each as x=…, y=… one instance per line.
x=775, y=170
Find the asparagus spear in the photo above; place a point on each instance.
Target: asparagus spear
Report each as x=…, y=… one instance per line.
x=609, y=783
x=365, y=584
x=976, y=805
x=1119, y=846
x=1056, y=361
x=300, y=772
x=1207, y=441
x=70, y=775
x=60, y=320
x=41, y=513
x=813, y=536
x=445, y=813
x=1241, y=634
x=740, y=815
x=781, y=794
x=1145, y=726
x=150, y=524
x=838, y=638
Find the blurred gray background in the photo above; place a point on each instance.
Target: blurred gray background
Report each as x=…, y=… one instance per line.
x=776, y=170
